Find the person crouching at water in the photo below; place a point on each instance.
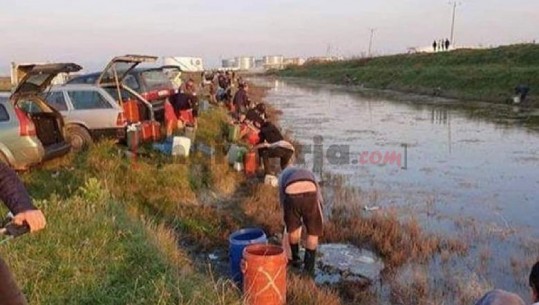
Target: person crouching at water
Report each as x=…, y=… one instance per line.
x=271, y=144
x=301, y=200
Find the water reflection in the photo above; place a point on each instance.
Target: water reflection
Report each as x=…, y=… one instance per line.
x=471, y=168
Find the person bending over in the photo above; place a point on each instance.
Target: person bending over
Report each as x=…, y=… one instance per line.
x=301, y=200
x=17, y=200
x=272, y=145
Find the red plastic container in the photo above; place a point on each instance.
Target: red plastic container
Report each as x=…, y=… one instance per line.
x=151, y=131
x=131, y=111
x=253, y=138
x=187, y=117
x=264, y=275
x=250, y=163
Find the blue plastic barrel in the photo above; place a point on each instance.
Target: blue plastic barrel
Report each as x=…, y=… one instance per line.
x=237, y=242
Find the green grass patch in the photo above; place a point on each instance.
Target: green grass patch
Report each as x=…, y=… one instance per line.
x=488, y=75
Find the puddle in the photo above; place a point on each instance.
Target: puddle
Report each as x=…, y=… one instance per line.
x=341, y=262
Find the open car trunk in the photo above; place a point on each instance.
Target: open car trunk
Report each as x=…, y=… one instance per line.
x=49, y=132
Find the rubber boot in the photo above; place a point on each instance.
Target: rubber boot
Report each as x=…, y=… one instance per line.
x=310, y=257
x=296, y=260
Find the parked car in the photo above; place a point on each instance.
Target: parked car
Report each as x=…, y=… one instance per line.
x=151, y=83
x=90, y=113
x=31, y=131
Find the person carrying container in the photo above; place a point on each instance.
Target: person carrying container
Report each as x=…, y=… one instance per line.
x=301, y=200
x=241, y=100
x=17, y=200
x=271, y=144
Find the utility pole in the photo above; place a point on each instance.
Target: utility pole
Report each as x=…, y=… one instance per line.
x=370, y=42
x=454, y=3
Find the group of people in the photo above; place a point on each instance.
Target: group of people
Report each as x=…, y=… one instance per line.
x=299, y=193
x=441, y=45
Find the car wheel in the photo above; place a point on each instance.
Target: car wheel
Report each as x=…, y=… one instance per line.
x=78, y=137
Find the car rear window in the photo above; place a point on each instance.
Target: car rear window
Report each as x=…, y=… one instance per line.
x=56, y=100
x=156, y=79
x=85, y=100
x=4, y=116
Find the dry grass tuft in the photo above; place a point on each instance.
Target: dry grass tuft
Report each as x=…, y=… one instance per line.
x=303, y=291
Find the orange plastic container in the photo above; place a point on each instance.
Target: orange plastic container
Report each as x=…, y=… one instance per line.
x=253, y=138
x=131, y=111
x=264, y=275
x=171, y=120
x=187, y=117
x=151, y=131
x=250, y=163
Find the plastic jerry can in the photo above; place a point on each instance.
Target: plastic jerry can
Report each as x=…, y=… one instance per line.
x=131, y=111
x=233, y=132
x=250, y=163
x=181, y=146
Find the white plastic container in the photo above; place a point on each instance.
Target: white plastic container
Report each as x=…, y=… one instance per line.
x=181, y=146
x=238, y=166
x=271, y=180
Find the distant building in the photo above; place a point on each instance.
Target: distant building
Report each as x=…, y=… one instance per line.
x=273, y=62
x=186, y=64
x=229, y=63
x=245, y=63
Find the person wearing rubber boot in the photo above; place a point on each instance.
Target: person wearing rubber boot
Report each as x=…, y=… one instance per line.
x=15, y=197
x=301, y=200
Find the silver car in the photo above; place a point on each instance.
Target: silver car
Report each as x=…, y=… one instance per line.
x=89, y=111
x=31, y=131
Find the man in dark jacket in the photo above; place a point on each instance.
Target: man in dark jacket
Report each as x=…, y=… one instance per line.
x=16, y=198
x=301, y=200
x=272, y=145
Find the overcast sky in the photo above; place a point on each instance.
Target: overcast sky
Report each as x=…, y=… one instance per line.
x=91, y=32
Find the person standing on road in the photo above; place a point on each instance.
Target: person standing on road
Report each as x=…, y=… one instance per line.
x=434, y=45
x=301, y=200
x=447, y=44
x=534, y=283
x=17, y=200
x=272, y=145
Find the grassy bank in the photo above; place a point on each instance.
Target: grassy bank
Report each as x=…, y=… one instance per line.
x=487, y=75
x=139, y=231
